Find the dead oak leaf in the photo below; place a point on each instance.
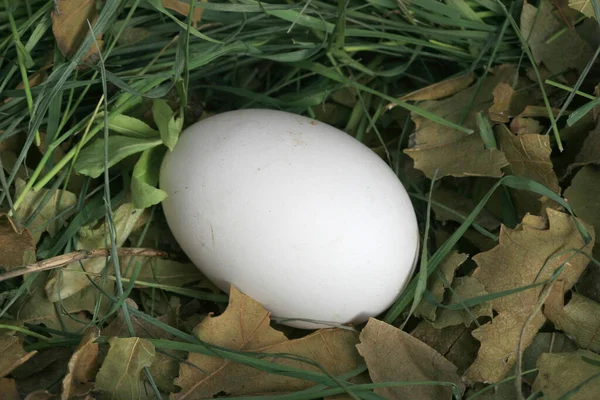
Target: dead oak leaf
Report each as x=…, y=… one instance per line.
x=540, y=24
x=508, y=103
x=392, y=355
x=8, y=388
x=70, y=25
x=13, y=353
x=561, y=373
x=463, y=288
x=16, y=248
x=183, y=8
x=121, y=373
x=579, y=318
x=529, y=254
x=584, y=195
x=583, y=6
x=83, y=366
x=589, y=150
x=528, y=156
x=245, y=326
x=439, y=90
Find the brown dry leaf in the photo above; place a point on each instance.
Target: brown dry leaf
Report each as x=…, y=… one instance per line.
x=16, y=248
x=540, y=24
x=39, y=395
x=165, y=367
x=438, y=282
x=462, y=204
x=245, y=326
x=528, y=156
x=121, y=373
x=183, y=8
x=70, y=26
x=463, y=288
x=523, y=125
x=579, y=318
x=584, y=195
x=13, y=354
x=528, y=254
x=47, y=217
x=163, y=271
x=395, y=356
x=125, y=219
x=562, y=372
x=83, y=366
x=507, y=103
x=37, y=309
x=439, y=90
x=589, y=149
x=453, y=152
x=465, y=157
x=8, y=389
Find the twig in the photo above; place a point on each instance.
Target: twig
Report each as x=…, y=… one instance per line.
x=64, y=259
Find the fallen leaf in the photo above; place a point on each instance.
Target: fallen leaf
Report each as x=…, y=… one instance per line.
x=584, y=195
x=540, y=24
x=583, y=6
x=439, y=90
x=438, y=282
x=71, y=281
x=462, y=204
x=395, y=356
x=121, y=373
x=39, y=395
x=528, y=156
x=523, y=125
x=43, y=211
x=13, y=354
x=463, y=288
x=132, y=35
x=183, y=8
x=562, y=372
x=43, y=370
x=8, y=388
x=508, y=103
x=588, y=154
x=70, y=26
x=245, y=326
x=83, y=366
x=163, y=271
x=528, y=254
x=465, y=157
x=579, y=318
x=544, y=342
x=16, y=248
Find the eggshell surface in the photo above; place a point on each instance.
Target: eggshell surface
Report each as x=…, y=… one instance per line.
x=295, y=213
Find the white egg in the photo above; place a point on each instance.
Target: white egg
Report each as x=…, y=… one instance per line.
x=294, y=213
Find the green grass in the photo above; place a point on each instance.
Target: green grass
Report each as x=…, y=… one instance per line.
x=295, y=56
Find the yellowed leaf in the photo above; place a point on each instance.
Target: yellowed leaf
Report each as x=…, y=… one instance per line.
x=528, y=254
x=395, y=356
x=245, y=326
x=528, y=156
x=463, y=288
x=439, y=90
x=508, y=103
x=121, y=373
x=583, y=6
x=16, y=248
x=70, y=25
x=8, y=388
x=579, y=318
x=438, y=282
x=183, y=8
x=561, y=373
x=83, y=366
x=13, y=354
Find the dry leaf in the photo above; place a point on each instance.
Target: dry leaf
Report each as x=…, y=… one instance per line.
x=395, y=356
x=39, y=395
x=580, y=318
x=584, y=195
x=589, y=149
x=245, y=326
x=439, y=90
x=507, y=103
x=121, y=373
x=528, y=156
x=13, y=354
x=70, y=25
x=462, y=204
x=562, y=372
x=463, y=288
x=453, y=152
x=72, y=280
x=163, y=271
x=566, y=51
x=528, y=254
x=8, y=389
x=522, y=125
x=48, y=217
x=183, y=8
x=583, y=6
x=465, y=157
x=83, y=366
x=16, y=248
x=438, y=282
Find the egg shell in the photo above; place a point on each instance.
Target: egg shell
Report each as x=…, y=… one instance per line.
x=293, y=212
